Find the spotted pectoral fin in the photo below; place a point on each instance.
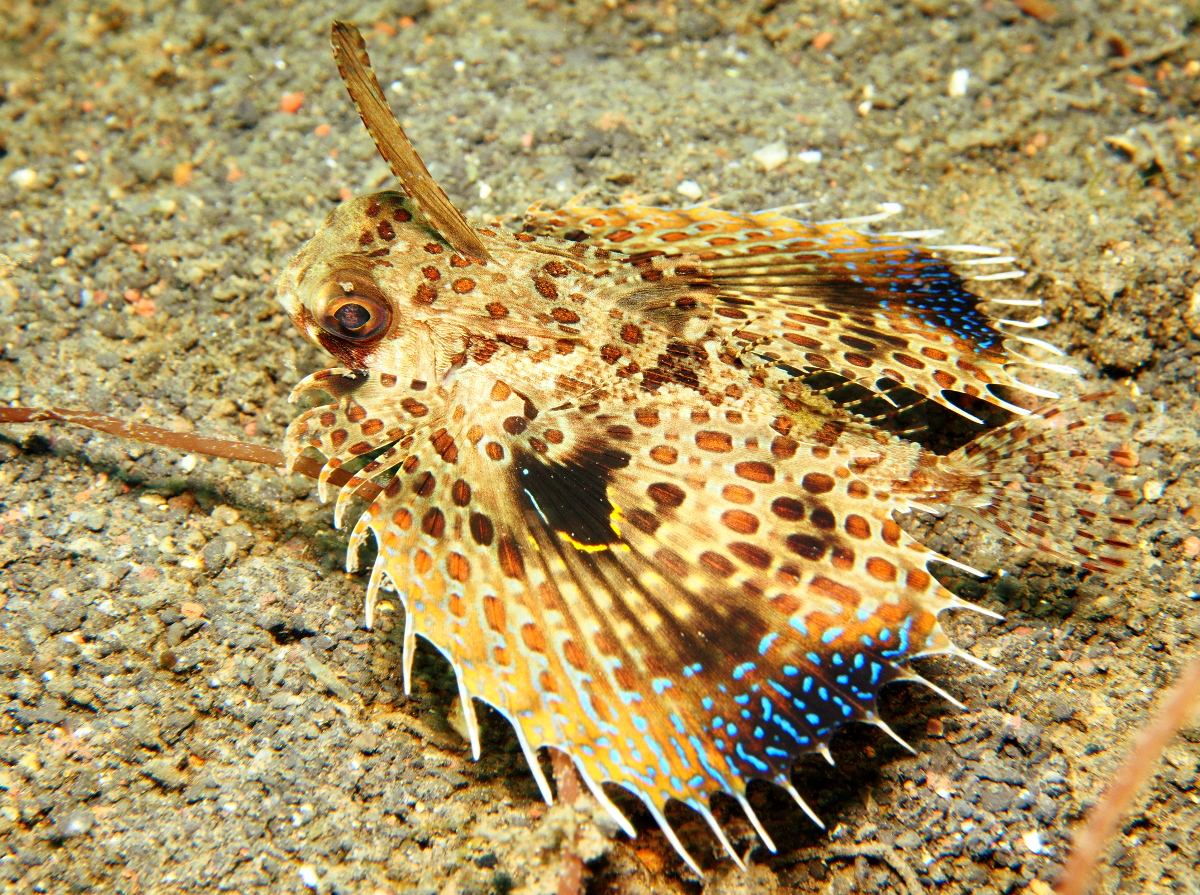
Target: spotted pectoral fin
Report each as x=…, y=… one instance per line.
x=370, y=411
x=873, y=308
x=681, y=609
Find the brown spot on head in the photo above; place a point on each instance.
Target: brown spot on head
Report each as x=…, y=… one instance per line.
x=372, y=427
x=463, y=285
x=610, y=354
x=338, y=437
x=425, y=295
x=433, y=248
x=545, y=288
x=386, y=231
x=514, y=425
x=555, y=268
x=494, y=450
x=631, y=334
x=714, y=442
x=564, y=315
x=496, y=310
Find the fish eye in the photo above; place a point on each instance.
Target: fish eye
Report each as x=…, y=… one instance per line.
x=355, y=313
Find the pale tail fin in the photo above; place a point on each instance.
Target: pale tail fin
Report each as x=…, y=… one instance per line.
x=1028, y=483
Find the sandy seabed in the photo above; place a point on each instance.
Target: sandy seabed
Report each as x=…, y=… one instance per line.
x=191, y=701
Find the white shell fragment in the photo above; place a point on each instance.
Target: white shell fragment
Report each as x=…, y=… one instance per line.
x=771, y=156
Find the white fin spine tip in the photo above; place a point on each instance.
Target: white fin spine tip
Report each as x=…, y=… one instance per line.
x=669, y=832
x=886, y=210
x=1005, y=275
x=998, y=259
x=1033, y=389
x=969, y=248
x=1043, y=344
x=719, y=833
x=799, y=800
x=915, y=234
x=886, y=728
x=372, y=590
x=467, y=704
x=600, y=796
x=959, y=653
x=823, y=751
x=963, y=413
x=913, y=676
x=409, y=649
x=354, y=546
x=755, y=822
x=1035, y=323
x=971, y=570
x=531, y=759
x=1011, y=408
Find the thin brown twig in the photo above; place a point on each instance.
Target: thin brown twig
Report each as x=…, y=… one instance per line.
x=180, y=441
x=570, y=881
x=1143, y=758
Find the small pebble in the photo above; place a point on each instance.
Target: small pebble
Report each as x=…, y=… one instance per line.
x=809, y=156
x=771, y=156
x=822, y=40
x=291, y=103
x=1152, y=490
x=958, y=82
x=308, y=876
x=76, y=823
x=690, y=189
x=1033, y=842
x=24, y=179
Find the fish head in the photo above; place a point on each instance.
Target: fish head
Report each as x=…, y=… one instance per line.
x=362, y=290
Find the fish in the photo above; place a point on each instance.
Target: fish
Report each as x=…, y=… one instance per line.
x=606, y=481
